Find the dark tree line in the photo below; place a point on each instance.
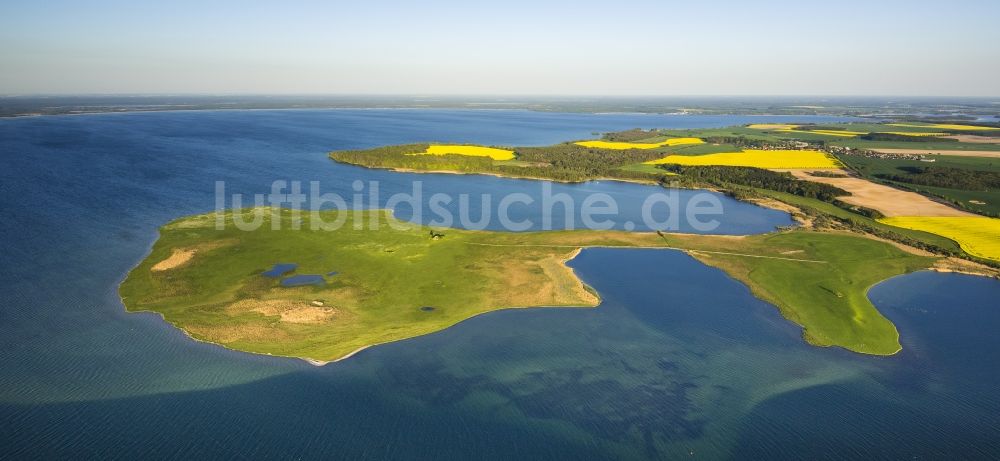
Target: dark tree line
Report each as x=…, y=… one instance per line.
x=749, y=143
x=635, y=134
x=893, y=137
x=946, y=177
x=759, y=178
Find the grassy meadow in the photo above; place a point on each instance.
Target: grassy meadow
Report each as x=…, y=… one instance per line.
x=393, y=284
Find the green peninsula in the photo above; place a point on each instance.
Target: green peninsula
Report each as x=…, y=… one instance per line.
x=407, y=280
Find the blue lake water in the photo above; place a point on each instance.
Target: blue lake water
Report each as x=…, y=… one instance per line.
x=679, y=360
x=302, y=280
x=279, y=269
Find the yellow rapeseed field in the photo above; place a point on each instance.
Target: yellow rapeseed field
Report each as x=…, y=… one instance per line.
x=842, y=133
x=978, y=235
x=771, y=159
x=946, y=126
x=475, y=151
x=639, y=145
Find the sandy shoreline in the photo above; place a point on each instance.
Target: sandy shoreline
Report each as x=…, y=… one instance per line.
x=320, y=363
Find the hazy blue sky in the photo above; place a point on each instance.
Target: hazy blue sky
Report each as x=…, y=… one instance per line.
x=749, y=47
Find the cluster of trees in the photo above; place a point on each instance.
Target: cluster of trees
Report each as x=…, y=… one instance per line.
x=587, y=160
x=902, y=138
x=756, y=177
x=741, y=180
x=570, y=175
x=749, y=143
x=827, y=174
x=950, y=178
x=863, y=211
x=570, y=162
x=635, y=134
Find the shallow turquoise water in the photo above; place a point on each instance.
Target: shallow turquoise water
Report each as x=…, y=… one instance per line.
x=678, y=360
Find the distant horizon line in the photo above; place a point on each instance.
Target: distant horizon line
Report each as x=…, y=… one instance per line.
x=488, y=95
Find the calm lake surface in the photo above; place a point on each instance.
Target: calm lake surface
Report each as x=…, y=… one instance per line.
x=679, y=360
